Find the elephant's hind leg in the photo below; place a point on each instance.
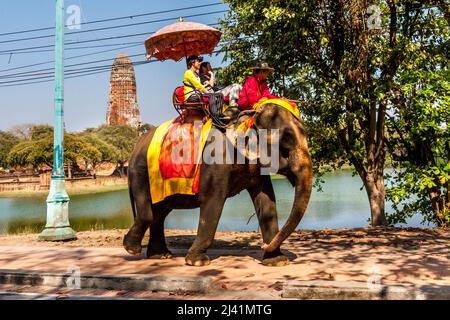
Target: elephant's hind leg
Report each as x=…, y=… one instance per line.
x=133, y=239
x=263, y=198
x=157, y=247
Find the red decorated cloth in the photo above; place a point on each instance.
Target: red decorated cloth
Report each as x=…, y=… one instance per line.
x=179, y=151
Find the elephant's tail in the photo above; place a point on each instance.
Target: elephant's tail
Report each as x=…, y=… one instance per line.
x=130, y=192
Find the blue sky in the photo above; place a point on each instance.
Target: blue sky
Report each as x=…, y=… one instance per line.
x=86, y=97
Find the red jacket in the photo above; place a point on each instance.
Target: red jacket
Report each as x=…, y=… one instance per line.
x=252, y=91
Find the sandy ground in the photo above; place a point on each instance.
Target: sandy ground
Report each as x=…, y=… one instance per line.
x=406, y=256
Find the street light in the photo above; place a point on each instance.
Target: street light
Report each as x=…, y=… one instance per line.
x=58, y=226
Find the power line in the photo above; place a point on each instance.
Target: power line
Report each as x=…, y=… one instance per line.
x=71, y=58
x=67, y=66
x=114, y=27
x=84, y=41
x=50, y=70
x=77, y=48
x=41, y=71
x=69, y=77
x=118, y=18
x=75, y=73
x=50, y=76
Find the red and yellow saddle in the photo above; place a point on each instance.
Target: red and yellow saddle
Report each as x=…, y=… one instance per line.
x=174, y=157
x=282, y=103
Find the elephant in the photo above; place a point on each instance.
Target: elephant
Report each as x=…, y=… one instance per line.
x=219, y=182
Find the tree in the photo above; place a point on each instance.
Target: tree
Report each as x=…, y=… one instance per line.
x=109, y=153
x=40, y=131
x=418, y=126
x=22, y=131
x=328, y=54
x=123, y=138
x=7, y=142
x=39, y=151
x=32, y=153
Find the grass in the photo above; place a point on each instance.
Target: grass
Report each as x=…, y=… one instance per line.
x=96, y=189
x=71, y=191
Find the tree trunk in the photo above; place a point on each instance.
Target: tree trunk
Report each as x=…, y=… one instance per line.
x=439, y=207
x=447, y=204
x=375, y=188
x=69, y=171
x=119, y=171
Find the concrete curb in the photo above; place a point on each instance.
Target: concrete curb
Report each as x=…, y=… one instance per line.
x=339, y=290
x=40, y=296
x=126, y=282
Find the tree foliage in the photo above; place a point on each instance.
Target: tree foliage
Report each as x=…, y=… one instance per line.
x=39, y=151
x=123, y=138
x=35, y=147
x=420, y=137
x=109, y=153
x=7, y=142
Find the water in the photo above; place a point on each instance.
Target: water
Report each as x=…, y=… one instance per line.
x=342, y=204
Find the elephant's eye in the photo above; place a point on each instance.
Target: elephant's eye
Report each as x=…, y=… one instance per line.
x=284, y=152
x=287, y=140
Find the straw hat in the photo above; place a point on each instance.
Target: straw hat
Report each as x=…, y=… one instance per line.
x=263, y=66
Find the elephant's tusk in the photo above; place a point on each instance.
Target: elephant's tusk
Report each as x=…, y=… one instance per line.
x=264, y=246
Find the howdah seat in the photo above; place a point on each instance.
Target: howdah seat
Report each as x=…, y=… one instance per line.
x=210, y=104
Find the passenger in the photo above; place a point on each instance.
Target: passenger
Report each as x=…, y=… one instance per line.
x=192, y=81
x=208, y=79
x=256, y=87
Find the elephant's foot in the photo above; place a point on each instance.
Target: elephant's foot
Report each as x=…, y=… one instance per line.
x=159, y=254
x=197, y=259
x=132, y=245
x=275, y=259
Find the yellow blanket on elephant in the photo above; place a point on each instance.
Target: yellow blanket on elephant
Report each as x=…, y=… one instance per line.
x=283, y=103
x=174, y=158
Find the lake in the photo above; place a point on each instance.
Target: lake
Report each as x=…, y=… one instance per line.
x=342, y=204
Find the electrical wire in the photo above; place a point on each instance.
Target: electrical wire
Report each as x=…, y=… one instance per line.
x=71, y=58
x=73, y=73
x=84, y=41
x=118, y=18
x=113, y=27
x=40, y=71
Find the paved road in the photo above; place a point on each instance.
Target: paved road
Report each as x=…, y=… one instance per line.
x=420, y=257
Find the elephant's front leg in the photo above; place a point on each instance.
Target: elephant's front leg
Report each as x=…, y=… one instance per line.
x=210, y=212
x=263, y=198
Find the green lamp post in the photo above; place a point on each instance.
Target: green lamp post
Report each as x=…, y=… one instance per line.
x=58, y=226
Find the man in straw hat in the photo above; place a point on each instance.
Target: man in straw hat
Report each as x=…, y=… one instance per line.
x=256, y=87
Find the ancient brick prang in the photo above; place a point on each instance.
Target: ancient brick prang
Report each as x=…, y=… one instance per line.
x=123, y=108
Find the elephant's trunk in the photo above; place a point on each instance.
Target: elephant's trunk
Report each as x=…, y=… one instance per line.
x=301, y=167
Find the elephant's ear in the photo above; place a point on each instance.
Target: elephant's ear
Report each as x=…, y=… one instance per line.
x=241, y=138
x=287, y=139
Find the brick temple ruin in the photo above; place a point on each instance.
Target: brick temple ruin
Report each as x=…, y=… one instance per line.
x=123, y=107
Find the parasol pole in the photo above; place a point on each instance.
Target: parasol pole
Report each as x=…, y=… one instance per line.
x=181, y=19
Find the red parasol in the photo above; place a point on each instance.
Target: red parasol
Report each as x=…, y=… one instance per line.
x=182, y=39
